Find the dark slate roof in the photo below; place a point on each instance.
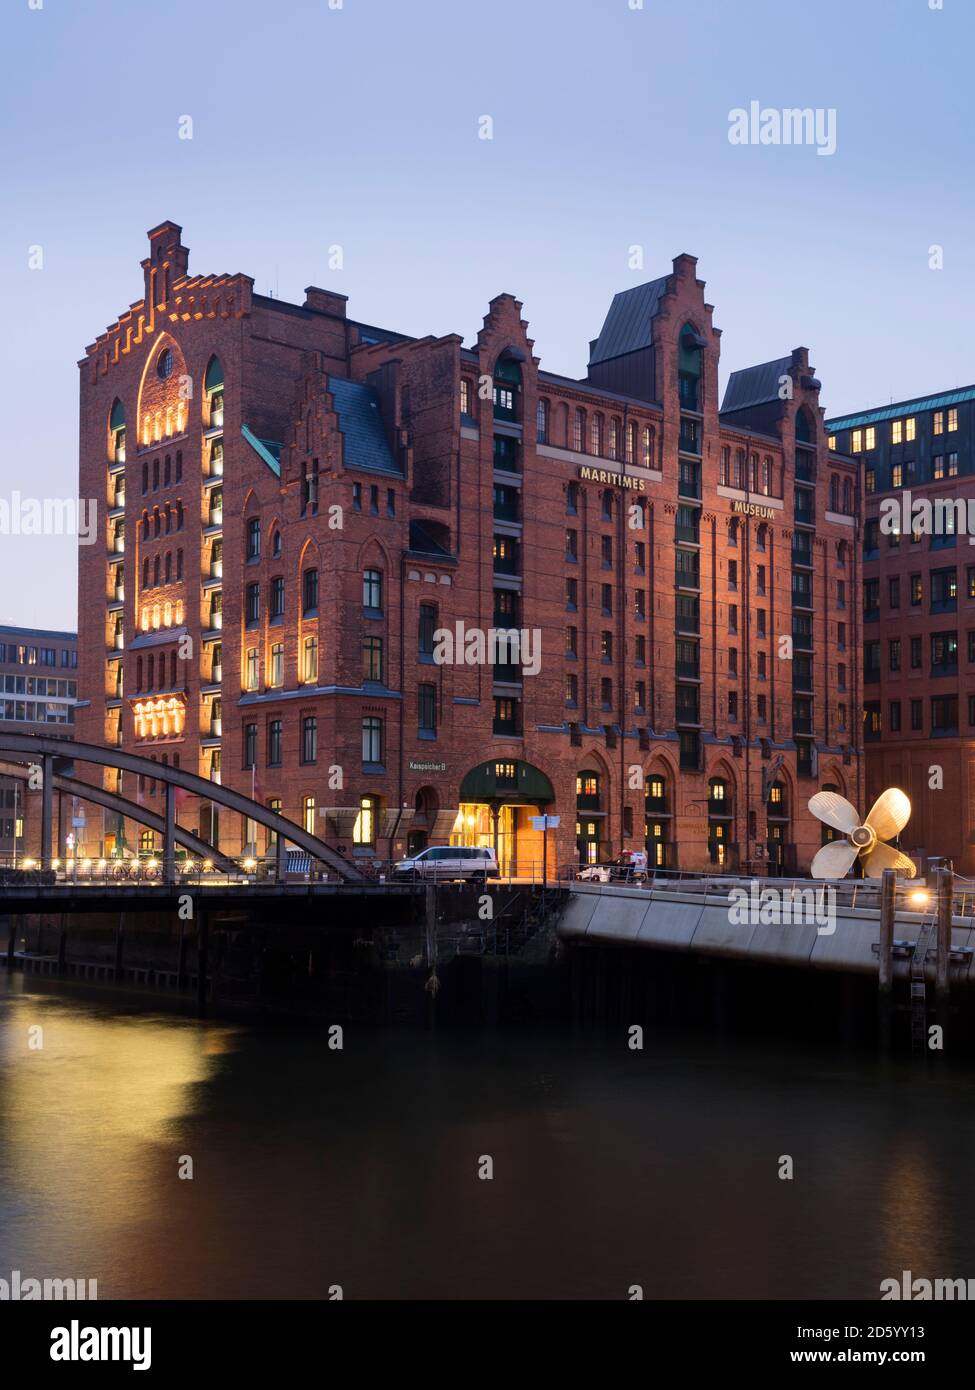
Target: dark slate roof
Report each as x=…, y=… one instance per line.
x=892, y=412
x=627, y=326
x=361, y=423
x=267, y=449
x=754, y=385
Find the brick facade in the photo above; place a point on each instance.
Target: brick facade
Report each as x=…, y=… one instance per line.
x=477, y=487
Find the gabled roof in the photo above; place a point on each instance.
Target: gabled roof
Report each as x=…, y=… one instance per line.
x=627, y=326
x=361, y=423
x=755, y=385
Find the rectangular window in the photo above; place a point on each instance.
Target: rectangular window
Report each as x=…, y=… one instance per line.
x=252, y=605
x=364, y=830
x=917, y=590
x=372, y=591
x=426, y=699
x=309, y=739
x=870, y=437
x=938, y=422
x=309, y=661
x=894, y=592
x=309, y=592
x=250, y=745
x=917, y=716
x=427, y=627
x=276, y=673
x=372, y=740
x=276, y=599
x=251, y=671
x=308, y=814
x=274, y=743
x=897, y=432
x=952, y=420
x=372, y=659
x=894, y=716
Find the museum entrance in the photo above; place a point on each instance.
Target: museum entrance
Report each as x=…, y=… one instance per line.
x=497, y=801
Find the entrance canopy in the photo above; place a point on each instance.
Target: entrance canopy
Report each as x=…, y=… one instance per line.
x=507, y=779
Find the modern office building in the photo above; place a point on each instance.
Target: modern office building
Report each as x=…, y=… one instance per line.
x=38, y=690
x=316, y=528
x=918, y=601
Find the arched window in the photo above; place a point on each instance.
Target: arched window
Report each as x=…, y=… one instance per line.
x=847, y=497
x=116, y=432
x=804, y=427
x=155, y=572
x=145, y=572
x=596, y=435
x=766, y=486
x=579, y=430
x=507, y=387
x=761, y=537
x=607, y=506
x=614, y=438
x=213, y=388
x=733, y=530
x=541, y=421
x=834, y=493
x=631, y=433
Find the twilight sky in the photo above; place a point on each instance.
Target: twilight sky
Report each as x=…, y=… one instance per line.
x=358, y=126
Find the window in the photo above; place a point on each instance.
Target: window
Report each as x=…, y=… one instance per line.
x=357, y=497
x=606, y=552
x=274, y=743
x=309, y=592
x=250, y=745
x=364, y=830
x=952, y=420
x=309, y=740
x=372, y=590
x=915, y=653
x=572, y=499
x=917, y=716
x=309, y=660
x=372, y=659
x=894, y=654
x=252, y=605
x=372, y=740
x=606, y=646
x=572, y=546
x=276, y=599
x=894, y=592
x=541, y=421
x=572, y=690
x=572, y=641
x=606, y=692
x=606, y=596
x=426, y=703
x=897, y=432
x=572, y=595
x=641, y=651
x=254, y=538
x=251, y=672
x=938, y=422
x=465, y=396
x=917, y=590
x=276, y=673
x=870, y=437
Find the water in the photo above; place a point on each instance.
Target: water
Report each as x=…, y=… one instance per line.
x=315, y=1167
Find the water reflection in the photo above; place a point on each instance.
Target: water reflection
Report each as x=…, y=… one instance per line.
x=314, y=1167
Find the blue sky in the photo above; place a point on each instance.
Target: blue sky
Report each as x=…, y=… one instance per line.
x=357, y=126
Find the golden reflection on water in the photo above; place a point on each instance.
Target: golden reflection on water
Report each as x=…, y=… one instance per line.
x=91, y=1118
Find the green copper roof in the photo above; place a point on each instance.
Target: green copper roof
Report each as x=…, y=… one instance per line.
x=266, y=449
x=899, y=408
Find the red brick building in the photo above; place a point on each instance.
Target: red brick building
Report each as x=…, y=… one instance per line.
x=919, y=613
x=301, y=506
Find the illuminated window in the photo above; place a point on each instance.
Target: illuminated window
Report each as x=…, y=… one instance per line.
x=276, y=673
x=309, y=660
x=364, y=829
x=465, y=396
x=897, y=432
x=910, y=428
x=251, y=669
x=952, y=420
x=831, y=442
x=856, y=442
x=308, y=814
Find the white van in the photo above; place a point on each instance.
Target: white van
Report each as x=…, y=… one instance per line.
x=449, y=861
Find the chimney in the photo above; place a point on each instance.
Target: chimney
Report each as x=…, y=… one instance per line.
x=325, y=301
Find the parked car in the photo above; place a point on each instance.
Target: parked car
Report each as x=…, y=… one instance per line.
x=449, y=861
x=630, y=867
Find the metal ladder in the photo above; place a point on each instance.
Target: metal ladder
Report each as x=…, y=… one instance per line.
x=919, y=990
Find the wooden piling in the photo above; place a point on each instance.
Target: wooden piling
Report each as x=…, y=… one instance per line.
x=886, y=962
x=945, y=881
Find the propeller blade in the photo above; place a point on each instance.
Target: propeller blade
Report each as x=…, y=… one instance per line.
x=886, y=857
x=889, y=813
x=834, y=860
x=833, y=809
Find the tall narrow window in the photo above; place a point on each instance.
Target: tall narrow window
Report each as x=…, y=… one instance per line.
x=309, y=592
x=372, y=740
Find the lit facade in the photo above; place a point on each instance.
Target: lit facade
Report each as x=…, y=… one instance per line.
x=314, y=527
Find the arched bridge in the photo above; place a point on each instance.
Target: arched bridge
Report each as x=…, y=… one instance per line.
x=40, y=750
